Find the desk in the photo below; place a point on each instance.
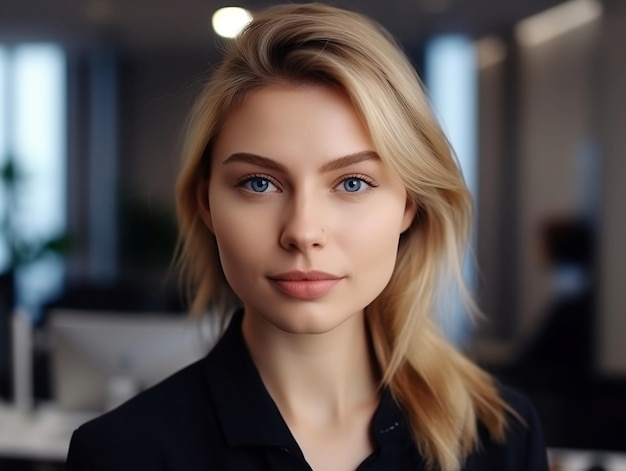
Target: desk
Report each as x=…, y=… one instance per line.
x=43, y=434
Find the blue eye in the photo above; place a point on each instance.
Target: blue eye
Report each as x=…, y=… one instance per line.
x=353, y=185
x=257, y=184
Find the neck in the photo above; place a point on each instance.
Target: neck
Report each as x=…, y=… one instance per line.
x=321, y=377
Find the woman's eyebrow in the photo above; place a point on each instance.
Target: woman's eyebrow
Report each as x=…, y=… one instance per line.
x=254, y=159
x=351, y=159
x=270, y=164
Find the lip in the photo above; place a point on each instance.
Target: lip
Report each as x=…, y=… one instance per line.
x=298, y=275
x=305, y=284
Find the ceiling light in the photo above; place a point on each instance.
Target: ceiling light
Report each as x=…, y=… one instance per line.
x=556, y=21
x=228, y=22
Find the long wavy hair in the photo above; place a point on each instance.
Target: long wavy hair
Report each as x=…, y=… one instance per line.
x=444, y=395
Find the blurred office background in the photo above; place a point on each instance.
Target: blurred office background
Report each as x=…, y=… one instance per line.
x=532, y=93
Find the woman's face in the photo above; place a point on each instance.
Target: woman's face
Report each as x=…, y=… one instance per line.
x=306, y=216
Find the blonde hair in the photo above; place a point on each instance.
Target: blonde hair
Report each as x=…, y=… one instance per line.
x=443, y=394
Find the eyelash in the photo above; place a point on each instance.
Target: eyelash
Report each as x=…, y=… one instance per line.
x=256, y=176
x=358, y=176
x=247, y=178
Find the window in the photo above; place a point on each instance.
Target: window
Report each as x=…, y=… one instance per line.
x=33, y=137
x=451, y=80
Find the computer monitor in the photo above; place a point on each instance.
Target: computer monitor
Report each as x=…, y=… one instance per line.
x=100, y=359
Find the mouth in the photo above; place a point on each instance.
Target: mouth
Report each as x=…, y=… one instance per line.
x=305, y=285
x=297, y=275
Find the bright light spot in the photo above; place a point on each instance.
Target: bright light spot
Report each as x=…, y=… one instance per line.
x=39, y=150
x=230, y=21
x=556, y=21
x=39, y=133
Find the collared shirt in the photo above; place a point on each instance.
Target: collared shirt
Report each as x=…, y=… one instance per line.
x=217, y=415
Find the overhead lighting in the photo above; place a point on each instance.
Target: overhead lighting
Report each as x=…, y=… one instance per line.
x=556, y=21
x=228, y=22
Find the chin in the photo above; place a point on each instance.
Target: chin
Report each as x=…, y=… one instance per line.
x=309, y=320
x=308, y=329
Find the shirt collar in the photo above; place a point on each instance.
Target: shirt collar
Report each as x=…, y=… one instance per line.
x=248, y=415
x=389, y=426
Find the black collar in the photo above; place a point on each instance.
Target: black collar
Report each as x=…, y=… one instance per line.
x=249, y=417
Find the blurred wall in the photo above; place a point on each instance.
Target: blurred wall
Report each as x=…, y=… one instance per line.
x=153, y=91
x=610, y=88
x=157, y=91
x=537, y=162
x=553, y=146
x=557, y=158
x=495, y=199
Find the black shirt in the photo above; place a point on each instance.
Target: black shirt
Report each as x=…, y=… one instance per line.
x=216, y=415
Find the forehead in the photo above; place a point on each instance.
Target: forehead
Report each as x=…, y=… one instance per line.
x=284, y=121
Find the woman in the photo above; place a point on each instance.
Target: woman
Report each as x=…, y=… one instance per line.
x=320, y=202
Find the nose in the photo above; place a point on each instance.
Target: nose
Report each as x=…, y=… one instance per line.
x=303, y=226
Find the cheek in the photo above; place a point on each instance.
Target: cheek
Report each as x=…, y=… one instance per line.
x=230, y=227
x=372, y=237
x=233, y=256
x=242, y=239
x=380, y=249
x=234, y=235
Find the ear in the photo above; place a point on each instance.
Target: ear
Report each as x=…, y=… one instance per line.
x=202, y=197
x=410, y=210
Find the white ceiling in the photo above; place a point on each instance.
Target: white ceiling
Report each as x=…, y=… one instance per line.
x=152, y=24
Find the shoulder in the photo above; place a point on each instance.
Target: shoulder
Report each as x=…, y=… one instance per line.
x=157, y=406
x=523, y=447
x=158, y=420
